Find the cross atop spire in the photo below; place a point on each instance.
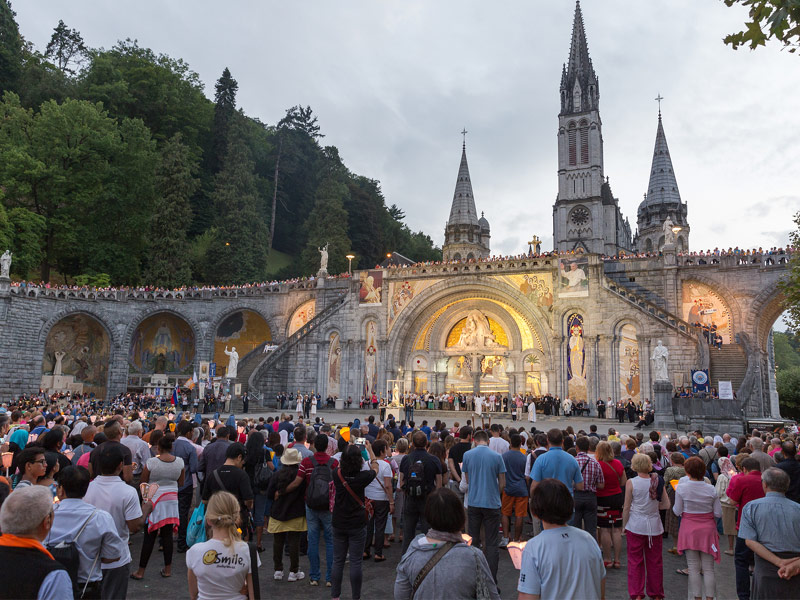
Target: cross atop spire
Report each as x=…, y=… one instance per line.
x=462, y=211
x=579, y=86
x=464, y=133
x=658, y=99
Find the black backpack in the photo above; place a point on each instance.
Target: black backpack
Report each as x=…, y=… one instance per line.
x=415, y=486
x=67, y=554
x=262, y=474
x=320, y=483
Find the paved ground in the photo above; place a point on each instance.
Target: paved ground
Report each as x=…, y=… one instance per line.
x=379, y=578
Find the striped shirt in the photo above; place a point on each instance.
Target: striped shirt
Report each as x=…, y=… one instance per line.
x=591, y=471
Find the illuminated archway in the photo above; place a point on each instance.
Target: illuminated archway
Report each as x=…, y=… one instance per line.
x=76, y=356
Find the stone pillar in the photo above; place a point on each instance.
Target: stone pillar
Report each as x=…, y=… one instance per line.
x=5, y=287
x=662, y=403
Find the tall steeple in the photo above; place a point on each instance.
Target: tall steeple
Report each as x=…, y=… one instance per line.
x=580, y=90
x=465, y=236
x=662, y=200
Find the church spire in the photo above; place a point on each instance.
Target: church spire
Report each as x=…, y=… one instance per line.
x=579, y=85
x=462, y=211
x=663, y=187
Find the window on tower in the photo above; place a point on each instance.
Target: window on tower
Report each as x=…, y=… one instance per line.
x=572, y=140
x=584, y=142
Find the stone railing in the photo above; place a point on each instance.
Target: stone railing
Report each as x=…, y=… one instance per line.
x=733, y=260
x=496, y=267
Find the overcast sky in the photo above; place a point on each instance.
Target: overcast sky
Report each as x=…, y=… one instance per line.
x=393, y=84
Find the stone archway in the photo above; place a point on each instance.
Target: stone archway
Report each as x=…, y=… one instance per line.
x=163, y=343
x=77, y=352
x=243, y=329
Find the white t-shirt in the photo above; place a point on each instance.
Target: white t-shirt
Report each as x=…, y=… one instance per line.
x=120, y=500
x=375, y=490
x=221, y=570
x=499, y=445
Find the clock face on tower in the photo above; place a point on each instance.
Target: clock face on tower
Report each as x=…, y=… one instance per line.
x=580, y=216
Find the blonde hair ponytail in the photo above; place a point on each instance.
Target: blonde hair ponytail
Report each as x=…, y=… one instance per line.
x=222, y=512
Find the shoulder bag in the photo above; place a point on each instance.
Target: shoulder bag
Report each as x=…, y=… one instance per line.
x=423, y=573
x=366, y=504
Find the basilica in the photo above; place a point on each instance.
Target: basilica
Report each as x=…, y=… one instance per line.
x=581, y=321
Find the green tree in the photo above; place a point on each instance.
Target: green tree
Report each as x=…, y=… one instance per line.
x=239, y=253
x=10, y=49
x=67, y=49
x=224, y=112
x=327, y=224
x=785, y=344
x=27, y=232
x=769, y=20
x=788, y=381
x=169, y=258
x=791, y=285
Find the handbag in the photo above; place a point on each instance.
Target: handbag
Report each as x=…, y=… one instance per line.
x=196, y=528
x=369, y=510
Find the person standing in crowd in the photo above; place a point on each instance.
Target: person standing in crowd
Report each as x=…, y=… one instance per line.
x=585, y=516
x=165, y=470
x=288, y=515
x=90, y=528
x=184, y=449
x=770, y=527
x=231, y=477
x=214, y=455
x=31, y=464
x=562, y=561
x=380, y=492
x=744, y=488
x=420, y=474
x=765, y=461
x=610, y=501
x=320, y=467
x=220, y=567
x=87, y=437
x=455, y=574
x=697, y=504
x=484, y=471
x=726, y=472
x=110, y=493
x=258, y=456
x=29, y=571
x=497, y=443
x=644, y=497
x=515, y=493
x=456, y=456
x=556, y=464
x=112, y=431
x=791, y=466
x=350, y=517
x=140, y=451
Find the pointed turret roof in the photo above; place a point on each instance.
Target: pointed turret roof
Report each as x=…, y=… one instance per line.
x=463, y=212
x=663, y=187
x=578, y=69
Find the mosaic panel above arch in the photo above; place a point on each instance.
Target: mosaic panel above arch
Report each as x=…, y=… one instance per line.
x=701, y=304
x=162, y=343
x=401, y=293
x=457, y=331
x=302, y=315
x=245, y=330
x=76, y=356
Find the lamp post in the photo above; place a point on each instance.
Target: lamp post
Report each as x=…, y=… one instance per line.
x=350, y=258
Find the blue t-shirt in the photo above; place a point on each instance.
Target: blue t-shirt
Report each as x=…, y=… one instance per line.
x=483, y=466
x=557, y=464
x=514, y=461
x=564, y=562
x=426, y=430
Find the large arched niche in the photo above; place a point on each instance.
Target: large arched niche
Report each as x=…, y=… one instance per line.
x=76, y=356
x=301, y=315
x=767, y=308
x=244, y=330
x=703, y=303
x=162, y=343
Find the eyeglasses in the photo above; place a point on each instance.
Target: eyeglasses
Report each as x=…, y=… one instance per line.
x=42, y=461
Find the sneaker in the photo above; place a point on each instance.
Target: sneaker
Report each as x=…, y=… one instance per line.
x=278, y=575
x=297, y=576
x=314, y=582
x=327, y=584
x=503, y=542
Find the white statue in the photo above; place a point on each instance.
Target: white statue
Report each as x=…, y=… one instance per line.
x=395, y=395
x=5, y=264
x=323, y=259
x=477, y=332
x=669, y=235
x=233, y=363
x=659, y=358
x=60, y=354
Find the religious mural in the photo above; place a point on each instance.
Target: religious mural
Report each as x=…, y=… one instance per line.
x=477, y=331
x=334, y=365
x=245, y=330
x=703, y=305
x=573, y=278
x=629, y=379
x=576, y=358
x=77, y=349
x=533, y=375
x=459, y=374
x=400, y=295
x=162, y=343
x=493, y=374
x=304, y=313
x=371, y=359
x=371, y=286
x=538, y=287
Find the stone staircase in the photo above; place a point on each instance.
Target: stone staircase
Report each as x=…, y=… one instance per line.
x=727, y=364
x=262, y=366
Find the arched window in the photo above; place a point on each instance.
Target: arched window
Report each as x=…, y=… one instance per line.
x=572, y=138
x=648, y=245
x=584, y=128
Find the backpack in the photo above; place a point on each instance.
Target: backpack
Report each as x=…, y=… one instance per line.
x=262, y=474
x=67, y=554
x=415, y=486
x=318, y=493
x=196, y=528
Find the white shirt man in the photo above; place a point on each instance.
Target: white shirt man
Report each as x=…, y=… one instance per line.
x=140, y=450
x=496, y=443
x=110, y=493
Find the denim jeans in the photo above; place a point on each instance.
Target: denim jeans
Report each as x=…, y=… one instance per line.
x=319, y=521
x=261, y=508
x=348, y=542
x=585, y=515
x=743, y=557
x=489, y=520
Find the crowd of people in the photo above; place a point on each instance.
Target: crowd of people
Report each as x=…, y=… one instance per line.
x=82, y=481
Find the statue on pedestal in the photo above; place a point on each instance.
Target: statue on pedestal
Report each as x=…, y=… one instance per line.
x=659, y=358
x=669, y=235
x=323, y=259
x=5, y=264
x=60, y=354
x=233, y=363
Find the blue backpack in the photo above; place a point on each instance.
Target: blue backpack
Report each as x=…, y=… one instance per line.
x=196, y=528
